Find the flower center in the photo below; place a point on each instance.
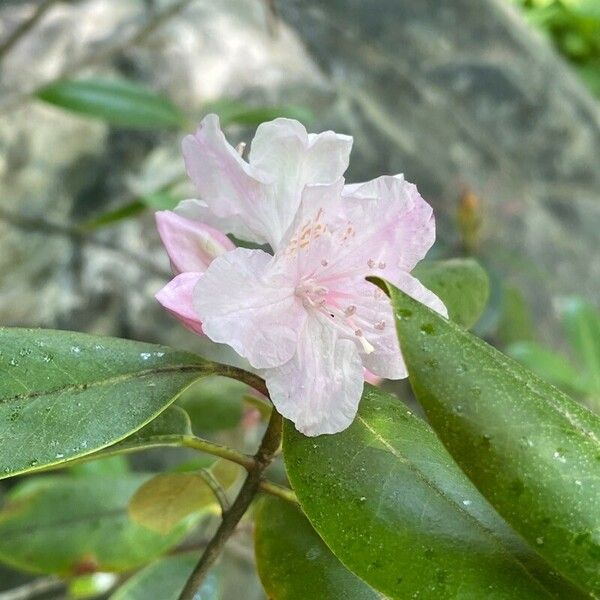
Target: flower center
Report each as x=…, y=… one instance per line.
x=314, y=296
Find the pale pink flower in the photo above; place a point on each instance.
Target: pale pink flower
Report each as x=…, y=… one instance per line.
x=191, y=246
x=257, y=200
x=305, y=318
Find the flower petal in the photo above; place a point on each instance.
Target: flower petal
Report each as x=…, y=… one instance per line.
x=242, y=304
x=319, y=389
x=294, y=159
x=176, y=297
x=191, y=245
x=396, y=226
x=228, y=186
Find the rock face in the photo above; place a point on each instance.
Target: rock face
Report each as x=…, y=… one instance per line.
x=458, y=95
x=461, y=93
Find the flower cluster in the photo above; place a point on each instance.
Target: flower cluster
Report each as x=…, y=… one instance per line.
x=303, y=316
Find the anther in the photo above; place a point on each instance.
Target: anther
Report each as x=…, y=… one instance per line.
x=371, y=263
x=381, y=265
x=358, y=332
x=350, y=310
x=324, y=263
x=380, y=325
x=240, y=148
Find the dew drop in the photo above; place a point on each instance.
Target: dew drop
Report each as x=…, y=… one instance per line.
x=145, y=355
x=75, y=349
x=13, y=362
x=539, y=541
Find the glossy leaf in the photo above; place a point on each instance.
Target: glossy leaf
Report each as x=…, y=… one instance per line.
x=394, y=507
x=462, y=285
x=63, y=525
x=117, y=102
x=293, y=561
x=64, y=394
x=582, y=323
x=530, y=449
x=164, y=580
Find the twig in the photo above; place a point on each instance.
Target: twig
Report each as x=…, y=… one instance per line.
x=33, y=588
x=25, y=26
x=96, y=57
x=217, y=489
x=269, y=487
x=270, y=443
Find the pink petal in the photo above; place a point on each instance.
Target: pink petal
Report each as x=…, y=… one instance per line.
x=177, y=296
x=319, y=389
x=191, y=245
x=402, y=226
x=241, y=303
x=372, y=378
x=228, y=186
x=257, y=201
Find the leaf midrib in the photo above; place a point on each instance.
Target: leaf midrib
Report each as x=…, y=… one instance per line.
x=122, y=377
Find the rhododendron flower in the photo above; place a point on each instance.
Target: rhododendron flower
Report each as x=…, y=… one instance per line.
x=257, y=200
x=306, y=318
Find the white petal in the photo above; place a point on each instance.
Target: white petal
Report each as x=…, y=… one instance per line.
x=242, y=305
x=319, y=389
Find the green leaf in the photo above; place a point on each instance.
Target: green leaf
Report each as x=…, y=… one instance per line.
x=461, y=283
x=550, y=366
x=168, y=498
x=174, y=421
x=582, y=323
x=293, y=561
x=214, y=404
x=394, y=507
x=240, y=113
x=117, y=102
x=65, y=395
x=121, y=213
x=64, y=525
x=164, y=580
x=530, y=449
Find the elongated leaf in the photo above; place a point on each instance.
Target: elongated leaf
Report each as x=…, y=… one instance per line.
x=552, y=367
x=168, y=498
x=118, y=102
x=164, y=580
x=63, y=525
x=531, y=450
x=582, y=322
x=293, y=561
x=394, y=507
x=462, y=285
x=64, y=394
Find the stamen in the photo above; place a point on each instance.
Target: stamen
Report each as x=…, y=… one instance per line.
x=368, y=348
x=240, y=148
x=380, y=325
x=381, y=265
x=371, y=263
x=350, y=310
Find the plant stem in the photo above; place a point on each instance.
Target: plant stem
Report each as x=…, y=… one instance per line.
x=269, y=487
x=269, y=445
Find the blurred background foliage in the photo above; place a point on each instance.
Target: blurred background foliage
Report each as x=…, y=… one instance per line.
x=574, y=28
x=95, y=96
